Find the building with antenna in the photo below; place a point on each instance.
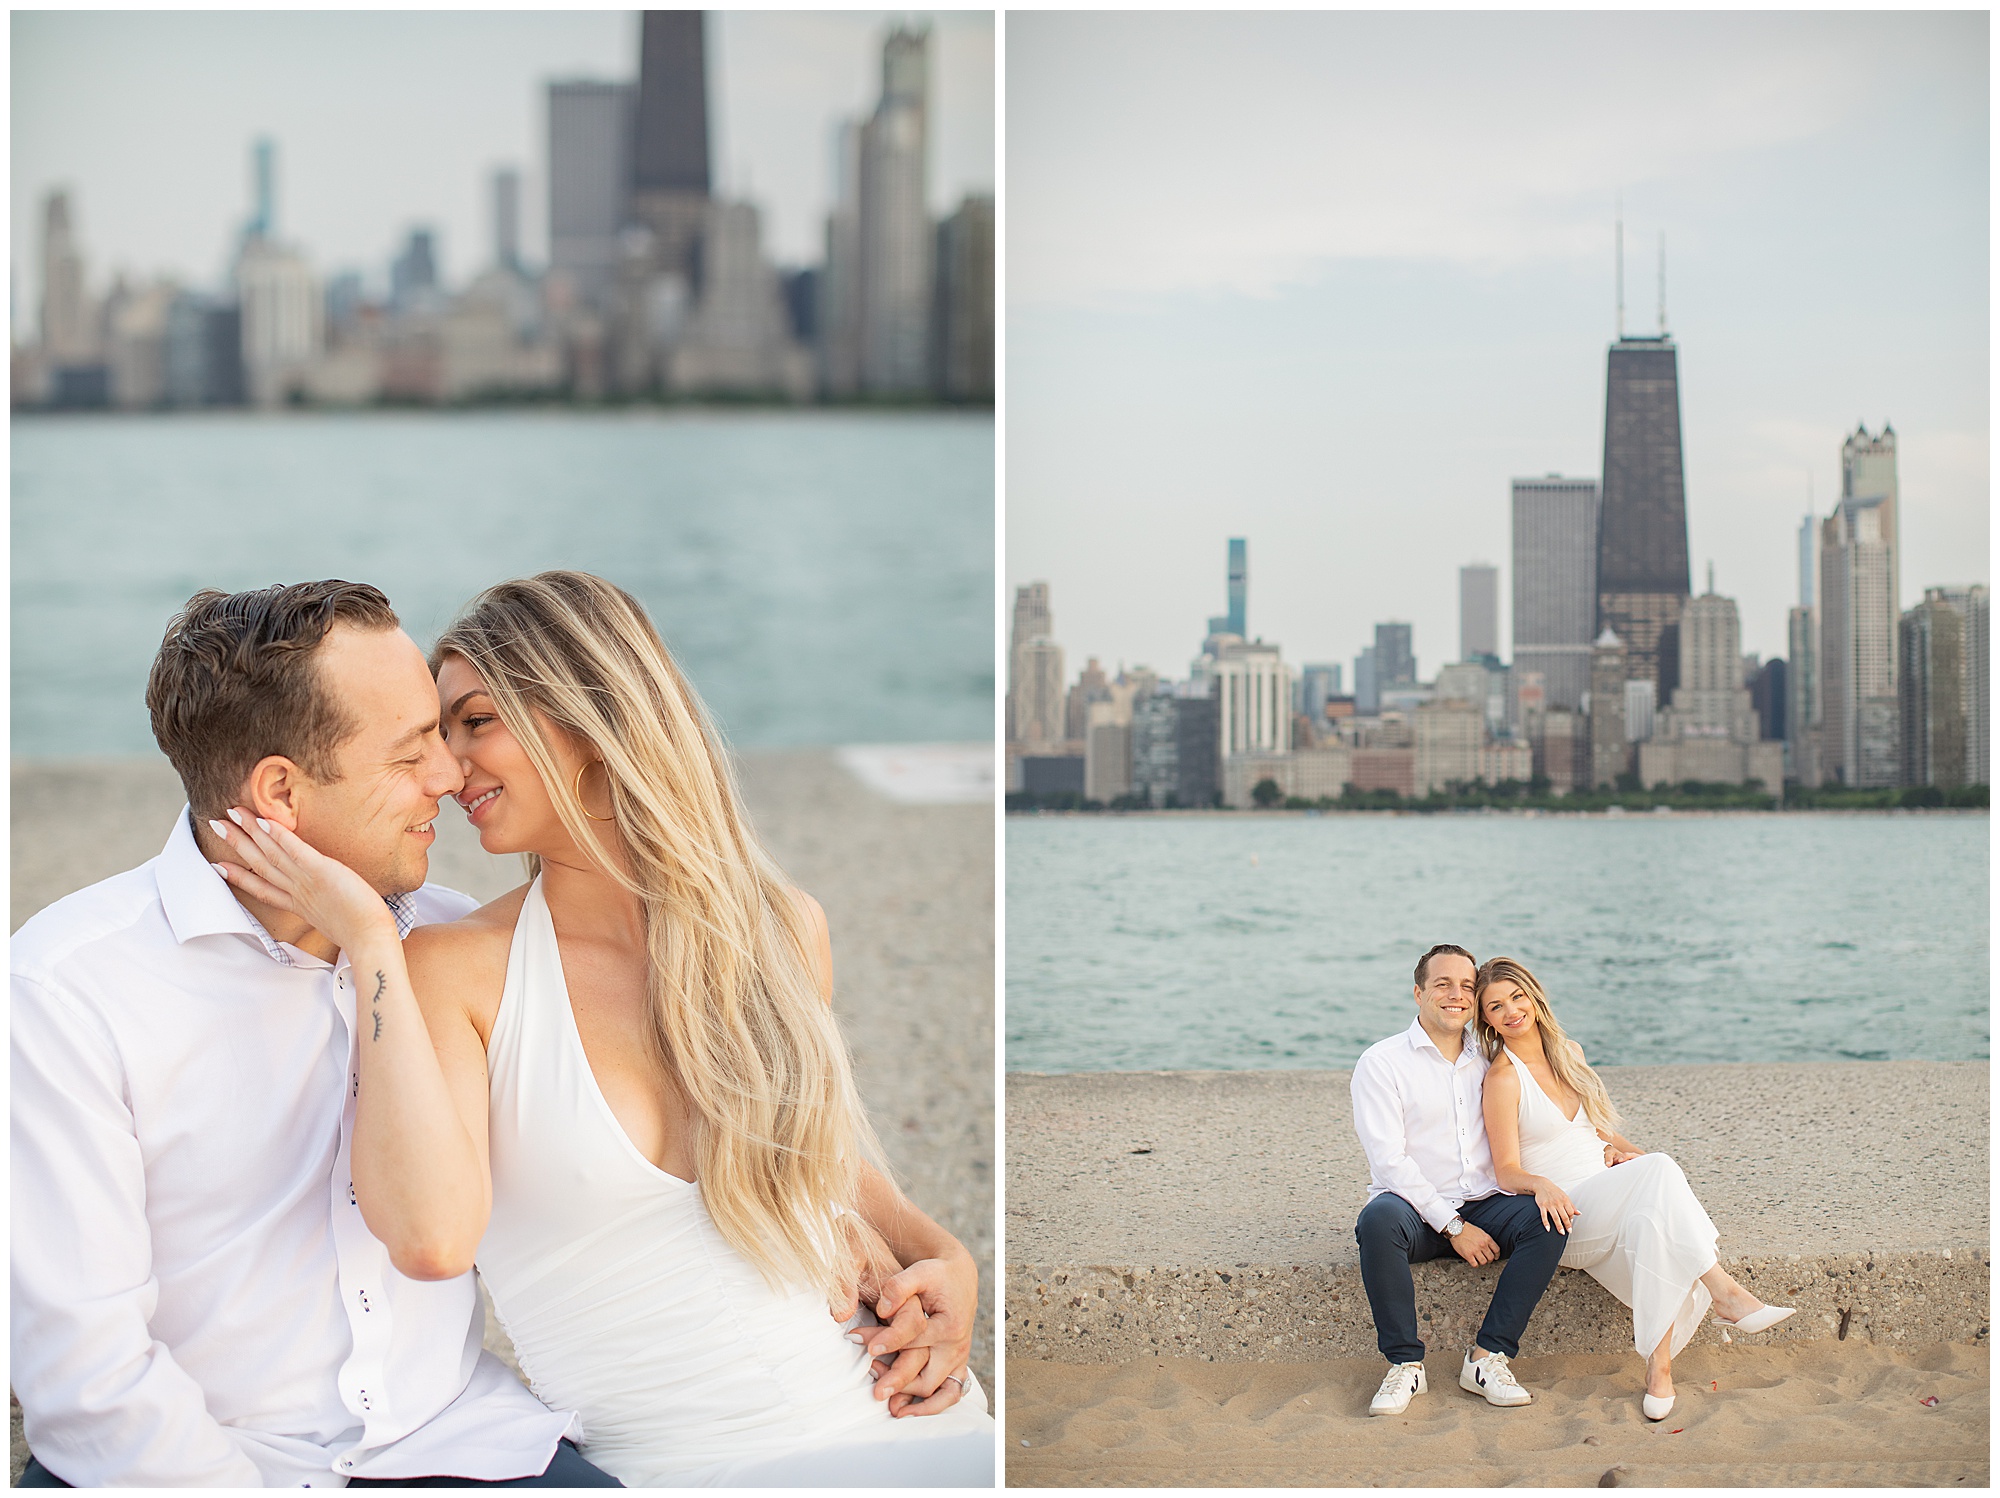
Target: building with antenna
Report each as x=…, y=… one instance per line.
x=1642, y=558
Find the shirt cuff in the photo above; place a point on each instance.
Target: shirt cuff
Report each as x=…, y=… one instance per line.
x=1438, y=1213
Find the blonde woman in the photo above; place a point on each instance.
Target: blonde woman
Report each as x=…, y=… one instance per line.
x=1633, y=1222
x=622, y=1086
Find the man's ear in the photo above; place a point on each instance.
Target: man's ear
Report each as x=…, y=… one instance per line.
x=273, y=791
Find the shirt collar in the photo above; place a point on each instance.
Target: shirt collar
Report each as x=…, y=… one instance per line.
x=198, y=903
x=1420, y=1039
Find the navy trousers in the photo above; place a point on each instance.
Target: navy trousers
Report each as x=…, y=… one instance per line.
x=568, y=1470
x=1393, y=1237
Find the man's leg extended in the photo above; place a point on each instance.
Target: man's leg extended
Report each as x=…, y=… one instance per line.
x=38, y=1476
x=1532, y=1252
x=568, y=1470
x=1392, y=1237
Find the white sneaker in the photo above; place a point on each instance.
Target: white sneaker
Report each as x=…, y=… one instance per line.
x=1403, y=1380
x=1490, y=1377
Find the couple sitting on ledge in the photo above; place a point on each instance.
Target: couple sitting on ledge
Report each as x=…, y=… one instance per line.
x=1519, y=1159
x=274, y=1095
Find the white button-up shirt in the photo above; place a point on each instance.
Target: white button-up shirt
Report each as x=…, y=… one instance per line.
x=1420, y=1123
x=196, y=1300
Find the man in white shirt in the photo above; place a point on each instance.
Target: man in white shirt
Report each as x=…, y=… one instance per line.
x=1431, y=1190
x=196, y=1300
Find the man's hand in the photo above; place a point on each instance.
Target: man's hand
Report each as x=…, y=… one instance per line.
x=929, y=1310
x=870, y=1264
x=1474, y=1246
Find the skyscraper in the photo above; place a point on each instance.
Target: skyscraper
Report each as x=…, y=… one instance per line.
x=1239, y=586
x=507, y=219
x=1859, y=713
x=670, y=143
x=1868, y=471
x=413, y=277
x=670, y=183
x=1367, y=691
x=1711, y=732
x=1034, y=671
x=1395, y=662
x=1318, y=682
x=590, y=176
x=1610, y=748
x=283, y=319
x=840, y=298
x=1972, y=606
x=1926, y=698
x=1555, y=584
x=68, y=336
x=962, y=319
x=1478, y=611
x=263, y=222
x=1253, y=693
x=1642, y=552
x=1802, y=684
x=739, y=338
x=895, y=227
x=1931, y=686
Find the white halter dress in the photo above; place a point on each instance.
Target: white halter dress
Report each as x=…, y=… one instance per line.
x=627, y=1305
x=1639, y=1231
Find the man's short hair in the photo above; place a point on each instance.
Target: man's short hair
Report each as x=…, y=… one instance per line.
x=235, y=682
x=1443, y=949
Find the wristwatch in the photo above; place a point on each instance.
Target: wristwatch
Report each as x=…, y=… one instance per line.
x=1455, y=1226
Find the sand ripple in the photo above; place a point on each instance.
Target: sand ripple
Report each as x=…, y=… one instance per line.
x=1799, y=1415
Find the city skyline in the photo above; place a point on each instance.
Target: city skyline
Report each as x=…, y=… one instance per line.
x=655, y=285
x=470, y=87
x=1350, y=353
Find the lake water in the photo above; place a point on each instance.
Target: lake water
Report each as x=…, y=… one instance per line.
x=823, y=577
x=1208, y=942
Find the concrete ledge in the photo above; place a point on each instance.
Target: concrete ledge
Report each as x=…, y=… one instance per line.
x=1210, y=1214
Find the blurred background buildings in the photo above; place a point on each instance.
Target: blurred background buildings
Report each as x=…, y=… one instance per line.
x=656, y=287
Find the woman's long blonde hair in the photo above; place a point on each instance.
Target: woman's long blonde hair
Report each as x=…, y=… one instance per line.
x=737, y=1018
x=1565, y=1055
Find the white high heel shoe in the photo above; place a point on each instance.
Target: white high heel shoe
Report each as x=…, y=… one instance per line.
x=1655, y=1407
x=1761, y=1320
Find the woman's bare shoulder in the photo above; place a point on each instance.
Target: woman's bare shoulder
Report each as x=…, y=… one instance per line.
x=819, y=945
x=464, y=961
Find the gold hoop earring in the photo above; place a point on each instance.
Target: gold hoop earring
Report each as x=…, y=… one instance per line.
x=578, y=788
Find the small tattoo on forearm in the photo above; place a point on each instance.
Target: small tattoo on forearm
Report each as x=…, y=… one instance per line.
x=375, y=1001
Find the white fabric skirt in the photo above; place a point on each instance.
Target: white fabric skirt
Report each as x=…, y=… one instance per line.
x=1640, y=1233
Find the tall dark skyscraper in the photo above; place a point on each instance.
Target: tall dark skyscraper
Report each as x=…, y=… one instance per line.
x=1642, y=550
x=670, y=150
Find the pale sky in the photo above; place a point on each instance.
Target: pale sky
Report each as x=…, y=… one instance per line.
x=386, y=121
x=1329, y=281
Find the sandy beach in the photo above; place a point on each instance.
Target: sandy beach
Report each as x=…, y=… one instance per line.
x=908, y=891
x=1184, y=1305
x=1826, y=1413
